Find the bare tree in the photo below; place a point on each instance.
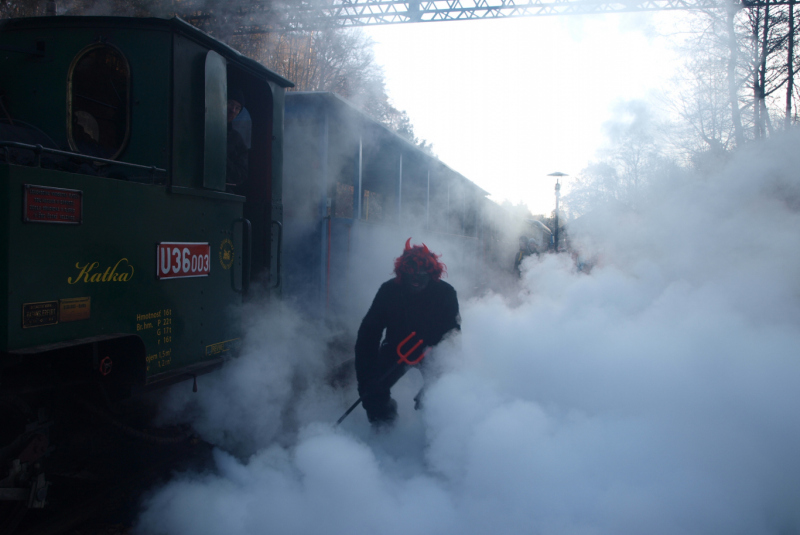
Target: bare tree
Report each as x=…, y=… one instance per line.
x=790, y=59
x=632, y=155
x=766, y=27
x=733, y=84
x=750, y=53
x=340, y=61
x=22, y=8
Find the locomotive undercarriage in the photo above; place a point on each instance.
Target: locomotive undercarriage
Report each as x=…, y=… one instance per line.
x=68, y=433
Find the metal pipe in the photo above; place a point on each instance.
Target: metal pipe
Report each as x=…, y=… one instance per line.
x=324, y=210
x=400, y=190
x=360, y=175
x=555, y=234
x=428, y=202
x=44, y=150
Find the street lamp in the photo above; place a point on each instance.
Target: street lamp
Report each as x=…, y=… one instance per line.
x=558, y=175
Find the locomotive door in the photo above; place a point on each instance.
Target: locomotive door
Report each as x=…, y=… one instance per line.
x=262, y=189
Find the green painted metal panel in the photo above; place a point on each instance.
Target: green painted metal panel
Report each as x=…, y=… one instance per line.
x=188, y=112
x=38, y=94
x=4, y=253
x=110, y=258
x=216, y=135
x=278, y=104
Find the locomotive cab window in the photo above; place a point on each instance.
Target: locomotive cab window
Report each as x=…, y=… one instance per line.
x=98, y=102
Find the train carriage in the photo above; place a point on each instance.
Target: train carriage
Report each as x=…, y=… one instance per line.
x=356, y=192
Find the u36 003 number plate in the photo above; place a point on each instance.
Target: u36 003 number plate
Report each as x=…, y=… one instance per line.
x=180, y=260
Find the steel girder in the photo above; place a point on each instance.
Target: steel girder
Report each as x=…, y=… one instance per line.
x=320, y=14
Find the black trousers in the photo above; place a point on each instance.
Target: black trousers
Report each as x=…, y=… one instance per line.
x=381, y=408
x=376, y=396
x=375, y=391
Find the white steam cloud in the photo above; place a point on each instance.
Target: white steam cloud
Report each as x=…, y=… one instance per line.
x=658, y=394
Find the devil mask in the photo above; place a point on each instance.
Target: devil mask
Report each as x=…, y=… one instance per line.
x=417, y=267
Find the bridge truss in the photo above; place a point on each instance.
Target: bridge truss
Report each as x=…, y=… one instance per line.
x=318, y=14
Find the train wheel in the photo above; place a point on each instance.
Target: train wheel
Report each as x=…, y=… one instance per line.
x=15, y=417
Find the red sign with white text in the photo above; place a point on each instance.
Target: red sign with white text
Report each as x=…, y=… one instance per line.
x=178, y=260
x=44, y=204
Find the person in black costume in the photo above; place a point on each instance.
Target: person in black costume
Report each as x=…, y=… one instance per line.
x=415, y=301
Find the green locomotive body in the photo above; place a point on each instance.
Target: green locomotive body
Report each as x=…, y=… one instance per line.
x=125, y=253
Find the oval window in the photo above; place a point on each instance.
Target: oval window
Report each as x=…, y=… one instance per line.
x=98, y=102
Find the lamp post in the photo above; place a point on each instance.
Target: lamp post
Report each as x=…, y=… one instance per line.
x=558, y=175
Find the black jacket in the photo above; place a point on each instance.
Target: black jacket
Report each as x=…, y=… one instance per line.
x=237, y=158
x=432, y=313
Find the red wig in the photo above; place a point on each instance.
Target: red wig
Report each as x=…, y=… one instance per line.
x=416, y=258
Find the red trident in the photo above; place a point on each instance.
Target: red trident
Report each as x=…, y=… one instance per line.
x=404, y=356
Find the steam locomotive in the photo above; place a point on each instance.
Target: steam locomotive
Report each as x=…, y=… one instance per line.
x=125, y=254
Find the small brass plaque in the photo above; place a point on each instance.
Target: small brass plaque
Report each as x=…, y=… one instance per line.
x=38, y=314
x=75, y=309
x=221, y=347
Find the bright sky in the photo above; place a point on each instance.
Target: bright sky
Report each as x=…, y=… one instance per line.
x=507, y=101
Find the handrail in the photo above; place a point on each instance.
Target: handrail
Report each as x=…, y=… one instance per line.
x=280, y=246
x=29, y=51
x=247, y=256
x=38, y=150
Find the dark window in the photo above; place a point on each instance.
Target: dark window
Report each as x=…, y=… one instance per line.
x=372, y=206
x=344, y=200
x=98, y=99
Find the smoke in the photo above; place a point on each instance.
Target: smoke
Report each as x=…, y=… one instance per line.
x=253, y=401
x=657, y=394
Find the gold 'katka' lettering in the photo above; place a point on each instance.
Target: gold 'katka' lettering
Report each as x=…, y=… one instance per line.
x=88, y=273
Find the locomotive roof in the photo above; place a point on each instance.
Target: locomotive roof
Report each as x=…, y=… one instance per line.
x=341, y=105
x=175, y=25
